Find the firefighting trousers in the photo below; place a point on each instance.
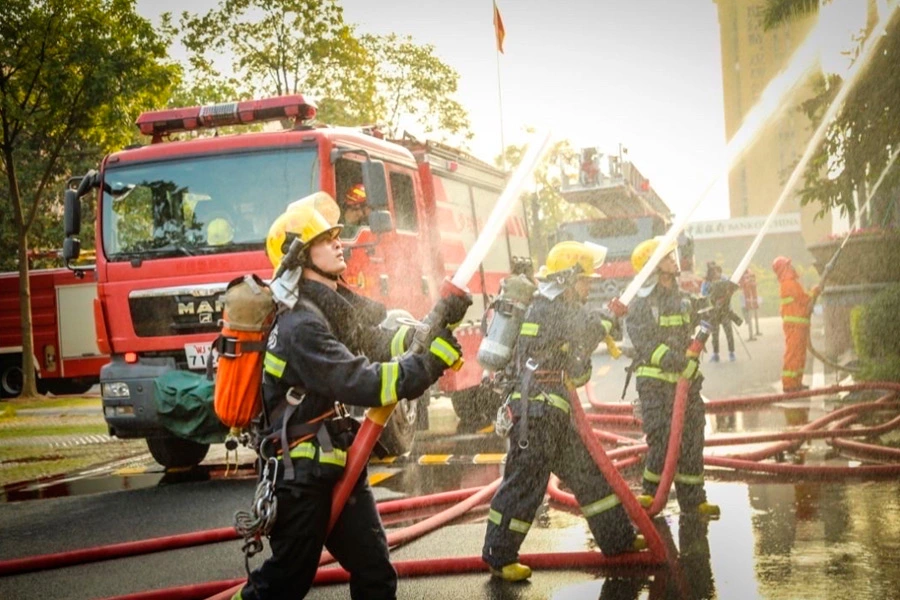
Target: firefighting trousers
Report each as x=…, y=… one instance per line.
x=553, y=447
x=729, y=335
x=657, y=398
x=357, y=542
x=796, y=339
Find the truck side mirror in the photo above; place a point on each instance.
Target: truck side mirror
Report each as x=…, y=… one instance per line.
x=72, y=214
x=71, y=249
x=376, y=184
x=380, y=221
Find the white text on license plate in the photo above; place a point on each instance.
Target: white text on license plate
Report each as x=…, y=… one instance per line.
x=197, y=354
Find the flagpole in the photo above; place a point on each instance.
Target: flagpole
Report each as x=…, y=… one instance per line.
x=494, y=11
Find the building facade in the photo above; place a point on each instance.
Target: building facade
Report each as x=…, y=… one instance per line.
x=751, y=58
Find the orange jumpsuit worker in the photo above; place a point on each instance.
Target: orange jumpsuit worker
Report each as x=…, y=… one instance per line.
x=795, y=308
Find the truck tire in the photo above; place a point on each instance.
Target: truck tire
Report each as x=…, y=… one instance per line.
x=400, y=430
x=62, y=387
x=172, y=452
x=11, y=380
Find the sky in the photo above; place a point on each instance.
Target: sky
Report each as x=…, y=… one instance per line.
x=645, y=74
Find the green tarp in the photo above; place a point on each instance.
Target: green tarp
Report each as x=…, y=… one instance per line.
x=184, y=401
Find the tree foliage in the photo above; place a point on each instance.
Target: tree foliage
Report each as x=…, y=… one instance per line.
x=546, y=209
x=278, y=47
x=865, y=133
x=415, y=88
x=73, y=77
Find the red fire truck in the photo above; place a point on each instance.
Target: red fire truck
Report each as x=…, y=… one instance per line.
x=630, y=212
x=67, y=358
x=161, y=275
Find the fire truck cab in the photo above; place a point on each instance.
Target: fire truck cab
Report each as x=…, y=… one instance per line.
x=177, y=220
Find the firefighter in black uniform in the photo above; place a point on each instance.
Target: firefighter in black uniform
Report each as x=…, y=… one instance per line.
x=325, y=352
x=661, y=321
x=553, y=357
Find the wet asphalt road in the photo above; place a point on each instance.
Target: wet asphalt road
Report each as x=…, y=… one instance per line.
x=776, y=539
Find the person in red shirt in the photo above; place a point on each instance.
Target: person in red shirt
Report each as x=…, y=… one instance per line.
x=750, y=302
x=795, y=310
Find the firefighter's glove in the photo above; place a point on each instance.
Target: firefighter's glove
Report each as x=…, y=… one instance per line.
x=452, y=309
x=444, y=350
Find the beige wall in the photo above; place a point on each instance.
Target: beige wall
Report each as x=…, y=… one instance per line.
x=751, y=57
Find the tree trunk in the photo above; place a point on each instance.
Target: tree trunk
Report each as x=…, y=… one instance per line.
x=29, y=382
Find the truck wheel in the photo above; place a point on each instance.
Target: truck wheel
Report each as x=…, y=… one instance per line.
x=62, y=387
x=171, y=451
x=400, y=430
x=11, y=380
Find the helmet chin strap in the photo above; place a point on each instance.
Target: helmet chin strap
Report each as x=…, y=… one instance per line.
x=308, y=264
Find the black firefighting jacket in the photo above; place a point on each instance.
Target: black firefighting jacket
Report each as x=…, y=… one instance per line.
x=329, y=349
x=559, y=335
x=660, y=324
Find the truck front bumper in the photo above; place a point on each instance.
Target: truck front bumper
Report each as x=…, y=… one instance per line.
x=127, y=390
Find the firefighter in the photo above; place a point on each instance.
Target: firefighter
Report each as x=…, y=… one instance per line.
x=714, y=288
x=795, y=309
x=219, y=232
x=553, y=357
x=326, y=351
x=661, y=321
x=356, y=210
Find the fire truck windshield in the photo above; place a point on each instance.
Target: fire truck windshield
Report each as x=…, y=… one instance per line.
x=202, y=204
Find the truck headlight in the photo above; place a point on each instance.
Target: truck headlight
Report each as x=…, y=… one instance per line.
x=116, y=389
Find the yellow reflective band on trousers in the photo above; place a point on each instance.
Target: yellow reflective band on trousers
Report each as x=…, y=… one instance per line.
x=674, y=320
x=307, y=450
x=273, y=365
x=397, y=342
x=686, y=479
x=516, y=525
x=551, y=399
x=529, y=329
x=658, y=354
x=651, y=476
x=519, y=526
x=790, y=374
x=390, y=374
x=800, y=320
x=444, y=351
x=601, y=505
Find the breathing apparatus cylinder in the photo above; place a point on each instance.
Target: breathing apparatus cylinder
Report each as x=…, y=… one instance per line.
x=500, y=335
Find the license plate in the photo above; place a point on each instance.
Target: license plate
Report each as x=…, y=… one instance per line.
x=197, y=354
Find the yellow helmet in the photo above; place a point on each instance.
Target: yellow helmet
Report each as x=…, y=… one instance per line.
x=303, y=222
x=322, y=202
x=566, y=255
x=645, y=250
x=219, y=232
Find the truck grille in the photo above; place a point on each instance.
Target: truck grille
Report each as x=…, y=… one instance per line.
x=178, y=312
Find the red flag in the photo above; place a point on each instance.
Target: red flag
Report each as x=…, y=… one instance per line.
x=499, y=30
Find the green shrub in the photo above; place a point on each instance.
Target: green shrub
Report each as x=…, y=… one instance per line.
x=878, y=336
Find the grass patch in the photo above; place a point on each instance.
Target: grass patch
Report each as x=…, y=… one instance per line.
x=68, y=402
x=51, y=430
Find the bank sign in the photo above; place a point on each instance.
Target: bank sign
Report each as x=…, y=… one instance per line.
x=743, y=226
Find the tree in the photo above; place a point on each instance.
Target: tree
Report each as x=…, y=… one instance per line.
x=279, y=47
x=415, y=87
x=866, y=130
x=73, y=77
x=546, y=208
